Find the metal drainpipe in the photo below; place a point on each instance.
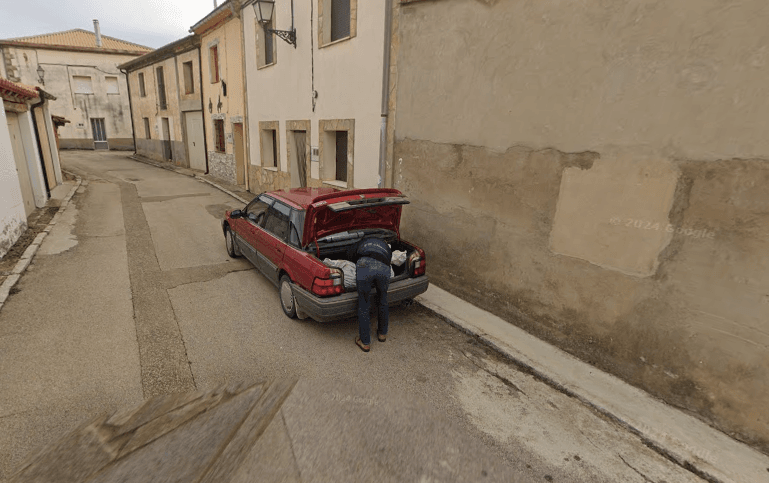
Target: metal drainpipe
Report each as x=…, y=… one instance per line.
x=202, y=105
x=385, y=94
x=40, y=146
x=130, y=108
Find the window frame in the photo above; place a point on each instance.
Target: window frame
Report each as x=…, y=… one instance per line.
x=213, y=63
x=261, y=45
x=75, y=79
x=161, y=84
x=327, y=135
x=189, y=88
x=142, y=85
x=220, y=141
x=324, y=23
x=273, y=126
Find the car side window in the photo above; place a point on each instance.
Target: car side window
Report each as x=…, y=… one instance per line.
x=296, y=227
x=257, y=209
x=277, y=220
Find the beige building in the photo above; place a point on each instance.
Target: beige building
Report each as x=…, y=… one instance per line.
x=223, y=92
x=315, y=109
x=29, y=159
x=165, y=92
x=598, y=173
x=79, y=68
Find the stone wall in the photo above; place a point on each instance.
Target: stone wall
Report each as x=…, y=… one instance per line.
x=222, y=166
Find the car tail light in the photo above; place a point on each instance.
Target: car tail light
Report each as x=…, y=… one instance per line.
x=332, y=285
x=417, y=263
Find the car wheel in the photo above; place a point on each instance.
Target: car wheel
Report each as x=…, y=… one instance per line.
x=287, y=300
x=229, y=240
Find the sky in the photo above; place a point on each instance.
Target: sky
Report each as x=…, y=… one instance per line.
x=153, y=23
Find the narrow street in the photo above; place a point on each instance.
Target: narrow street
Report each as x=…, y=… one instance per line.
x=132, y=295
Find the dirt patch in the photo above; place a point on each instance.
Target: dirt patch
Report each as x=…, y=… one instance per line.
x=37, y=223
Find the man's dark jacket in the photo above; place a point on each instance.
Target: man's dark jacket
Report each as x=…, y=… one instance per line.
x=370, y=247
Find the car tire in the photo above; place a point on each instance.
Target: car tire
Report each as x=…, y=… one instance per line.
x=229, y=241
x=287, y=299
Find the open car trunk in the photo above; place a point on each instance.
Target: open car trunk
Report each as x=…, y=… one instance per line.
x=338, y=251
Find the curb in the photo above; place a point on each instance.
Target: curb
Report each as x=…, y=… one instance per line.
x=29, y=253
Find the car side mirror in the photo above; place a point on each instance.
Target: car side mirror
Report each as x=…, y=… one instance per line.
x=236, y=214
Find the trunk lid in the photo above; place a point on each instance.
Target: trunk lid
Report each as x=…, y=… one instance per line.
x=353, y=210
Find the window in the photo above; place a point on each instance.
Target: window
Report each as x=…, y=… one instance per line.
x=341, y=156
x=277, y=221
x=83, y=84
x=213, y=63
x=336, y=151
x=258, y=208
x=219, y=135
x=147, y=128
x=269, y=138
x=112, y=85
x=161, y=89
x=142, y=90
x=338, y=19
x=296, y=228
x=266, y=48
x=189, y=84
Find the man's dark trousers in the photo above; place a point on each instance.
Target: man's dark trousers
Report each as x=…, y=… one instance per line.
x=372, y=273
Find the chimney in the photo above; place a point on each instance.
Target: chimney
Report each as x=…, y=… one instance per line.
x=98, y=32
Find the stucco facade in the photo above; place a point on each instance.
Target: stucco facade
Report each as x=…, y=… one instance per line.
x=598, y=173
x=86, y=83
x=223, y=92
x=29, y=161
x=322, y=87
x=171, y=136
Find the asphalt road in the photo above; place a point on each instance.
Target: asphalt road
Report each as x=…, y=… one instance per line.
x=133, y=295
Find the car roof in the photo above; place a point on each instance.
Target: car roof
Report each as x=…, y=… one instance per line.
x=301, y=197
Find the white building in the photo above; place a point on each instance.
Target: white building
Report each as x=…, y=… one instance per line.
x=314, y=110
x=80, y=69
x=29, y=161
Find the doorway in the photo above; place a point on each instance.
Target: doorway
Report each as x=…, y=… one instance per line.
x=165, y=125
x=240, y=158
x=99, y=133
x=195, y=141
x=20, y=157
x=298, y=158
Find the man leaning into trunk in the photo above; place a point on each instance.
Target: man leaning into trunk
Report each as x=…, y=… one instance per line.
x=372, y=257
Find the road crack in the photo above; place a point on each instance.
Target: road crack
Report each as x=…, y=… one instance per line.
x=646, y=478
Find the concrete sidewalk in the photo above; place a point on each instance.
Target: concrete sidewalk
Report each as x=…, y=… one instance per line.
x=683, y=439
x=694, y=445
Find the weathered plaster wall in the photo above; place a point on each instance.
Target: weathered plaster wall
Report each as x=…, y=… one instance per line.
x=13, y=219
x=228, y=38
x=59, y=67
x=598, y=174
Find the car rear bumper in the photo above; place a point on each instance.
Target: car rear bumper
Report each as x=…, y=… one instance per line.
x=325, y=309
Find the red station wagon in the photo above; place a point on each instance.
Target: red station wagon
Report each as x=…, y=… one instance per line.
x=286, y=234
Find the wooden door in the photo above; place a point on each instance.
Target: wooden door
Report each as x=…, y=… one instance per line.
x=195, y=141
x=20, y=157
x=240, y=157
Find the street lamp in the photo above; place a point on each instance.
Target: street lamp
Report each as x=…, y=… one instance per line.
x=264, y=10
x=41, y=74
